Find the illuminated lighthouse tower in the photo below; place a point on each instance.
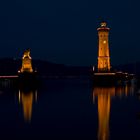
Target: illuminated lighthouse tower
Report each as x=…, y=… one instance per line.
x=104, y=76
x=103, y=48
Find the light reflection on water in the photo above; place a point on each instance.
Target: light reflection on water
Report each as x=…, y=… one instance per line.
x=104, y=96
x=74, y=109
x=26, y=99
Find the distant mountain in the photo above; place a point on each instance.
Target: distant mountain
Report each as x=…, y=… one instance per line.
x=46, y=68
x=9, y=66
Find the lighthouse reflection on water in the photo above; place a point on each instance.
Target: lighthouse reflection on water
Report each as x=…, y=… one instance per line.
x=104, y=97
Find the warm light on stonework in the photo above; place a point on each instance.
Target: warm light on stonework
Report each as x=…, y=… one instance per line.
x=104, y=41
x=26, y=62
x=103, y=49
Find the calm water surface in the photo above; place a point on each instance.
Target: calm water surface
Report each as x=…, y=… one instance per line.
x=70, y=109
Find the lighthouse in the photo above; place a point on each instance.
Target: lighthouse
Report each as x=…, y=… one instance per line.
x=103, y=48
x=104, y=75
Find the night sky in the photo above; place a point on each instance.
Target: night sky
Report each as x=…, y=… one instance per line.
x=65, y=31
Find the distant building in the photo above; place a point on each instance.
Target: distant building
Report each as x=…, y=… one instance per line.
x=103, y=48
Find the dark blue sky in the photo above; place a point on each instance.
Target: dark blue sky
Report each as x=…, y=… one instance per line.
x=64, y=31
